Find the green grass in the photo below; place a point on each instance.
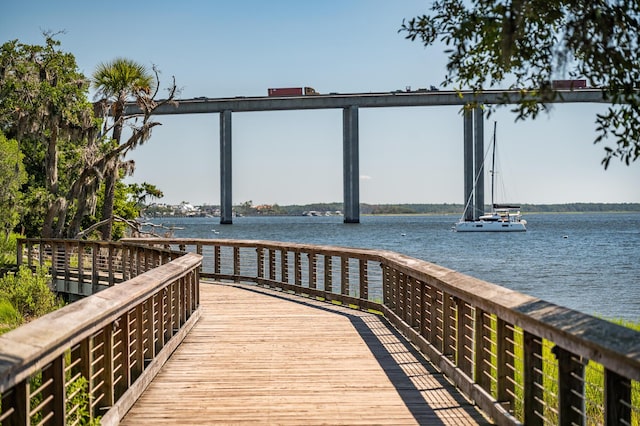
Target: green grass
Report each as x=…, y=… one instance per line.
x=593, y=379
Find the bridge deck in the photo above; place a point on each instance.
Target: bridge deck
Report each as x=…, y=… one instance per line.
x=264, y=357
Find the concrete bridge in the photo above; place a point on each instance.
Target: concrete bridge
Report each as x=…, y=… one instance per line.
x=350, y=104
x=218, y=331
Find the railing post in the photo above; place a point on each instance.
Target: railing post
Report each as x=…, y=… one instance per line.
x=505, y=361
x=482, y=345
x=57, y=390
x=284, y=266
x=86, y=369
x=448, y=347
x=533, y=409
x=107, y=373
x=236, y=264
x=433, y=319
x=216, y=260
x=272, y=264
x=260, y=261
x=95, y=268
x=125, y=356
x=327, y=274
x=19, y=249
x=298, y=268
x=464, y=357
x=617, y=390
x=19, y=400
x=364, y=280
x=110, y=248
x=570, y=388
x=138, y=363
x=344, y=276
x=313, y=265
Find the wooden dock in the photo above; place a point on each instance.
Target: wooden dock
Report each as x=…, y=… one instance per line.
x=259, y=356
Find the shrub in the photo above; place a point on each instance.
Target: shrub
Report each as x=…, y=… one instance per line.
x=29, y=292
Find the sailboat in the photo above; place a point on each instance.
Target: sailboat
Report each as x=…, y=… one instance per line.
x=502, y=218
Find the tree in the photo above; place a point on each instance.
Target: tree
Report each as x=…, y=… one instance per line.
x=118, y=81
x=526, y=44
x=44, y=106
x=12, y=177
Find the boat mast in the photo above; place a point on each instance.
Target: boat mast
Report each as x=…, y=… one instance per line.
x=493, y=164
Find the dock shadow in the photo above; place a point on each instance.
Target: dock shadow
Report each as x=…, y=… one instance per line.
x=396, y=356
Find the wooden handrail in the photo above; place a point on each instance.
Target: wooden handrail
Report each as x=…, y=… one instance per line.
x=97, y=355
x=522, y=359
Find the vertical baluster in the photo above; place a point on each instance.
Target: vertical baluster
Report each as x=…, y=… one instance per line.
x=107, y=374
x=571, y=408
x=95, y=268
x=138, y=362
x=313, y=265
x=533, y=408
x=19, y=400
x=464, y=356
x=298, y=268
x=328, y=274
x=272, y=264
x=434, y=338
x=110, y=249
x=57, y=390
x=216, y=260
x=482, y=374
x=344, y=275
x=284, y=266
x=19, y=250
x=617, y=390
x=260, y=262
x=199, y=251
x=448, y=346
x=505, y=361
x=364, y=280
x=236, y=264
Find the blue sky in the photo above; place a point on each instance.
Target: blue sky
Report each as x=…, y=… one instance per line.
x=242, y=47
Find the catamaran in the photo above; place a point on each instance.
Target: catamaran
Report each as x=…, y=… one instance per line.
x=502, y=218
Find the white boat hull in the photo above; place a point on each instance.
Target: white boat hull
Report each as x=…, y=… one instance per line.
x=490, y=226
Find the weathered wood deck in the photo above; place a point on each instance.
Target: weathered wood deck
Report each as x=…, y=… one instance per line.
x=264, y=357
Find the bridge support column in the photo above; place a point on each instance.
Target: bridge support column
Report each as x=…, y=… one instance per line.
x=478, y=138
x=468, y=165
x=226, y=205
x=473, y=163
x=351, y=168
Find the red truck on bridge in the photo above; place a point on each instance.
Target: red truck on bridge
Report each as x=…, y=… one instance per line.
x=569, y=84
x=292, y=91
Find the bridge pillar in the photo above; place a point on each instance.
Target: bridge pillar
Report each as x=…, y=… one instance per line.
x=478, y=137
x=226, y=205
x=351, y=169
x=468, y=165
x=473, y=163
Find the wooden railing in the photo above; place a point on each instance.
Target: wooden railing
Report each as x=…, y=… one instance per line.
x=93, y=358
x=523, y=360
x=85, y=267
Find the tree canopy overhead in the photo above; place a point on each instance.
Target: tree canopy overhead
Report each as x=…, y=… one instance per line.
x=526, y=44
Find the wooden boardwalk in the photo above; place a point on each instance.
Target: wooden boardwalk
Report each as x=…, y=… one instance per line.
x=258, y=356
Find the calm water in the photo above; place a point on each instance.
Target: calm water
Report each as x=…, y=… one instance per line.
x=588, y=262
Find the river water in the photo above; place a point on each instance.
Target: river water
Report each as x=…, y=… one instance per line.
x=587, y=262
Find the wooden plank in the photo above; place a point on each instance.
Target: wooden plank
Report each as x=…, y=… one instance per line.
x=267, y=357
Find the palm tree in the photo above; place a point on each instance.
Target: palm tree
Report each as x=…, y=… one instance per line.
x=117, y=82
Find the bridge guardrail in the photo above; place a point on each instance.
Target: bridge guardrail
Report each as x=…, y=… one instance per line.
x=93, y=358
x=522, y=359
